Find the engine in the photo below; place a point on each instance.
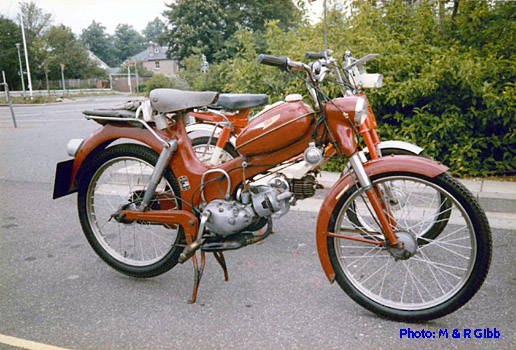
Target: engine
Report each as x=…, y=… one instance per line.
x=230, y=217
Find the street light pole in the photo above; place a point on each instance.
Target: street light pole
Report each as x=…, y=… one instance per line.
x=26, y=56
x=21, y=69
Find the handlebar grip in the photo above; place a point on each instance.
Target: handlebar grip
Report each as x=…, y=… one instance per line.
x=315, y=55
x=281, y=62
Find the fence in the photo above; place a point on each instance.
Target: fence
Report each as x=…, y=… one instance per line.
x=71, y=84
x=120, y=83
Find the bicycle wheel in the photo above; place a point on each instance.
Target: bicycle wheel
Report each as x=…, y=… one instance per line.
x=396, y=198
x=205, y=151
x=439, y=276
x=117, y=178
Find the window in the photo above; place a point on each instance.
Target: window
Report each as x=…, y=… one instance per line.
x=156, y=49
x=156, y=64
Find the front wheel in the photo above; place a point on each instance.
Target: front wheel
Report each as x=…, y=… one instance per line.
x=439, y=276
x=117, y=179
x=397, y=197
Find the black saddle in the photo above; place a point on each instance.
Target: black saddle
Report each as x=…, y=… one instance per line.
x=240, y=101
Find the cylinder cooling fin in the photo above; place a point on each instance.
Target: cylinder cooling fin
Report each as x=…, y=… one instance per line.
x=304, y=187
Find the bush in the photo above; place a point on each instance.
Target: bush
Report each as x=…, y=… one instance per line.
x=444, y=90
x=161, y=81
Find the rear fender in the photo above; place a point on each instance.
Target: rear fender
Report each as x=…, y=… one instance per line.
x=102, y=138
x=409, y=164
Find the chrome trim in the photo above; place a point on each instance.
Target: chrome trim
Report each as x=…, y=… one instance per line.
x=360, y=111
x=227, y=196
x=73, y=146
x=157, y=174
x=359, y=170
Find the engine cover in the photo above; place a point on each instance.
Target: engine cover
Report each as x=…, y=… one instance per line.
x=228, y=218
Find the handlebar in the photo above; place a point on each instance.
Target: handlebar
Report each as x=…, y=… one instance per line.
x=315, y=55
x=281, y=62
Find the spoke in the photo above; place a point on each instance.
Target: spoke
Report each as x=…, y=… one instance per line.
x=433, y=241
x=429, y=265
x=445, y=271
x=367, y=262
x=374, y=273
x=413, y=281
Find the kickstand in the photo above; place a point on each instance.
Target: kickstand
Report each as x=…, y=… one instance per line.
x=219, y=256
x=198, y=275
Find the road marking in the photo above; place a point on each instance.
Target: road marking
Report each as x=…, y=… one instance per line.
x=26, y=344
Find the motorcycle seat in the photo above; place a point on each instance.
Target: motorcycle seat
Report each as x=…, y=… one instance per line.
x=171, y=100
x=240, y=101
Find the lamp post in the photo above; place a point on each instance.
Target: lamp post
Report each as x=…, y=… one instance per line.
x=21, y=69
x=62, y=77
x=26, y=56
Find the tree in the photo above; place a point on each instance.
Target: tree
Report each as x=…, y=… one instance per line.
x=63, y=47
x=207, y=27
x=10, y=34
x=127, y=41
x=154, y=30
x=35, y=20
x=100, y=43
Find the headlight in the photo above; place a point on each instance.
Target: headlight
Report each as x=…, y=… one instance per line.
x=360, y=111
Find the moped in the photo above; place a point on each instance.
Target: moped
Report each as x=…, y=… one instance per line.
x=146, y=206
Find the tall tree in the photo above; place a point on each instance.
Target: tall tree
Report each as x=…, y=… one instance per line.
x=10, y=34
x=127, y=41
x=35, y=20
x=208, y=26
x=63, y=47
x=99, y=42
x=154, y=30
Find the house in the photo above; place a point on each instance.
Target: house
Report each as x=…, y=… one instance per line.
x=154, y=59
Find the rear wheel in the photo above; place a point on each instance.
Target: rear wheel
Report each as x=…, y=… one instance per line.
x=204, y=151
x=439, y=277
x=117, y=178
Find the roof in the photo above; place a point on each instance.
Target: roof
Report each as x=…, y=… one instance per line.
x=145, y=56
x=98, y=62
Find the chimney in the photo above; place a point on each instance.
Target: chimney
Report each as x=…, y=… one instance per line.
x=151, y=48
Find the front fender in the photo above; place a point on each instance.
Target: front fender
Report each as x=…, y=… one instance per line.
x=406, y=146
x=410, y=164
x=100, y=139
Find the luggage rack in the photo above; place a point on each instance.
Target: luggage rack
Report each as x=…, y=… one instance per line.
x=121, y=115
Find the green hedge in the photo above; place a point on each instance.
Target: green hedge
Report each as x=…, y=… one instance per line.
x=449, y=79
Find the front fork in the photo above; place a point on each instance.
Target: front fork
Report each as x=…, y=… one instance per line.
x=373, y=196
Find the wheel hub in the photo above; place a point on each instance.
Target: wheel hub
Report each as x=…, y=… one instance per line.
x=406, y=248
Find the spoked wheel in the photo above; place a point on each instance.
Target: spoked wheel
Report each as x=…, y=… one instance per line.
x=204, y=151
x=397, y=198
x=434, y=278
x=117, y=179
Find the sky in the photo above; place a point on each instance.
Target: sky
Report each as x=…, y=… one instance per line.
x=78, y=14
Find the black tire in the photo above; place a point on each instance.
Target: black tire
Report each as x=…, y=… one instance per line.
x=228, y=148
x=471, y=278
x=441, y=220
x=89, y=216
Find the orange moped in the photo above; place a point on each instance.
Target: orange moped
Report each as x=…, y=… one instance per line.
x=146, y=206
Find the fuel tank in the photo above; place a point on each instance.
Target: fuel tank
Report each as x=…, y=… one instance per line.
x=275, y=128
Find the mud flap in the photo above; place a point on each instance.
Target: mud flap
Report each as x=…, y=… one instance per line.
x=62, y=179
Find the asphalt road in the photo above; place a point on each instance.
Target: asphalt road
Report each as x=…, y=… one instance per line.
x=55, y=290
